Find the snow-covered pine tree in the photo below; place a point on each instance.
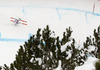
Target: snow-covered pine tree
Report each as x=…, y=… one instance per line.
x=72, y=59
x=97, y=42
x=93, y=42
x=44, y=51
x=97, y=47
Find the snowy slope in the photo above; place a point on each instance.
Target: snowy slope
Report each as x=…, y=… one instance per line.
x=58, y=14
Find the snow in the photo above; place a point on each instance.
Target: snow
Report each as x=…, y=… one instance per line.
x=59, y=66
x=39, y=60
x=91, y=48
x=58, y=14
x=63, y=48
x=88, y=65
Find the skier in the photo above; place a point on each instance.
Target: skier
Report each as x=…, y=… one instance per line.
x=17, y=21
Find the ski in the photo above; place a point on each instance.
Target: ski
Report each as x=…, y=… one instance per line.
x=23, y=21
x=24, y=24
x=12, y=20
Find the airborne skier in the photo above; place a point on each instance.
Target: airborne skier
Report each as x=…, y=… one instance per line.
x=18, y=21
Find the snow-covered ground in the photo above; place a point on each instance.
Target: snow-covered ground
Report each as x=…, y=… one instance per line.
x=58, y=14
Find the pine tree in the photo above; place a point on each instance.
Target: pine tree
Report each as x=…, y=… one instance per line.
x=74, y=60
x=66, y=36
x=93, y=42
x=49, y=50
x=43, y=51
x=69, y=63
x=97, y=41
x=27, y=54
x=12, y=67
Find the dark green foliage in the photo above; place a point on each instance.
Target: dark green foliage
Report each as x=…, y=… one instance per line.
x=66, y=36
x=97, y=65
x=6, y=67
x=42, y=51
x=89, y=42
x=12, y=67
x=0, y=68
x=96, y=43
x=75, y=60
x=93, y=42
